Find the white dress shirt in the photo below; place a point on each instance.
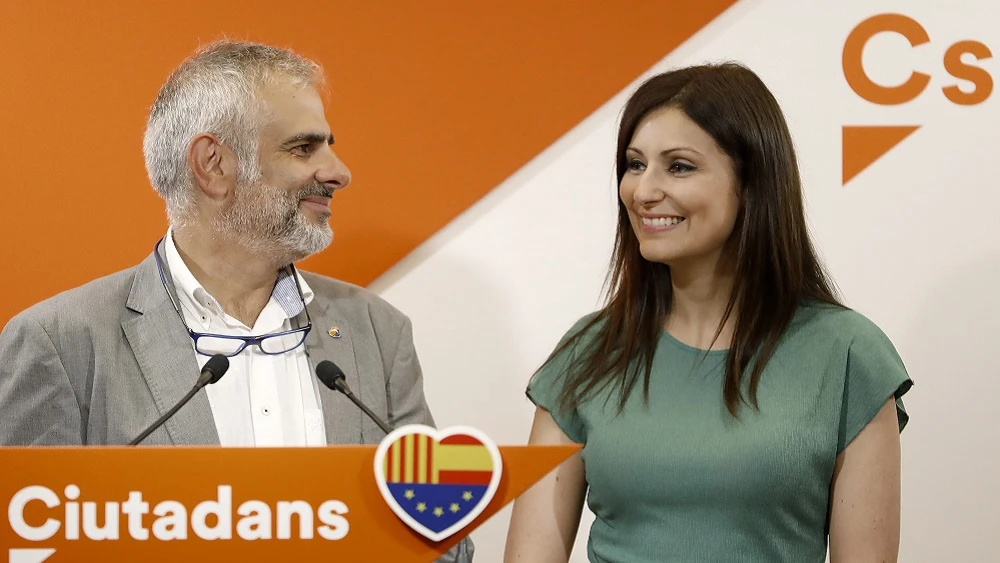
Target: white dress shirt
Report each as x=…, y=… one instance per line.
x=263, y=400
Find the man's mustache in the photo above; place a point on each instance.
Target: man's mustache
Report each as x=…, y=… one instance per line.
x=316, y=189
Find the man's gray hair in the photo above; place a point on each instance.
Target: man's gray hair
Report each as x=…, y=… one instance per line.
x=215, y=91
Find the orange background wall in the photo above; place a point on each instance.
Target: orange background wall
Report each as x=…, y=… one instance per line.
x=433, y=105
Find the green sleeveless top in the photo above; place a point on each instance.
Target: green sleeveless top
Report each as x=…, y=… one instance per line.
x=680, y=480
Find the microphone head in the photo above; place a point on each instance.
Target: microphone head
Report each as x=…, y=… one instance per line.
x=217, y=365
x=331, y=375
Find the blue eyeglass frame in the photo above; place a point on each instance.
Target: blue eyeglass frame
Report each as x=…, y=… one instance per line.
x=247, y=340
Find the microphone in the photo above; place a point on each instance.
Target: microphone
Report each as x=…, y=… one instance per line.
x=334, y=378
x=213, y=371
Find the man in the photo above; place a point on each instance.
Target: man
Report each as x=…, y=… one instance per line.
x=238, y=146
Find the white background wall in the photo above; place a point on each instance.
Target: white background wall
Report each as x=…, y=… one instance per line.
x=912, y=243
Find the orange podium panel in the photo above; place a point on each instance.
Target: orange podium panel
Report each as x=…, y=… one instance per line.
x=191, y=504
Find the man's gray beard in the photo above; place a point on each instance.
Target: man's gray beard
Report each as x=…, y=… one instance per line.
x=267, y=221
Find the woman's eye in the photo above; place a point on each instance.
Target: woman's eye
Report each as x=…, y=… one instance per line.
x=681, y=168
x=636, y=165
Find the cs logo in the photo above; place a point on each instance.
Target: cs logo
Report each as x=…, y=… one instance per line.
x=864, y=144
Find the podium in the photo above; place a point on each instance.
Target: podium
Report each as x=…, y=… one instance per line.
x=174, y=504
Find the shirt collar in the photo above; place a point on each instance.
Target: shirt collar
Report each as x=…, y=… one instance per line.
x=192, y=294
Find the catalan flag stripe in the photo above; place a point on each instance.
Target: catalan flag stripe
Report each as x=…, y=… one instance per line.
x=409, y=459
x=421, y=459
x=395, y=462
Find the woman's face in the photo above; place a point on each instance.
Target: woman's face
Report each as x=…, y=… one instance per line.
x=679, y=189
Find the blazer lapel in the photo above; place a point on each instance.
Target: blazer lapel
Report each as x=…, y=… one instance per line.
x=166, y=357
x=341, y=418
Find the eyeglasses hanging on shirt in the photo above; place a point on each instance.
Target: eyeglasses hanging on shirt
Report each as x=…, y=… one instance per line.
x=273, y=344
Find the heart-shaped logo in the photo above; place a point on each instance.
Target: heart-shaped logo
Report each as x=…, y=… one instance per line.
x=437, y=481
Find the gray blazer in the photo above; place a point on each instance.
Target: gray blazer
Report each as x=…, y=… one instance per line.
x=99, y=363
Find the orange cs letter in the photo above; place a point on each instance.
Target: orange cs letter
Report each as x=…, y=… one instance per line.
x=854, y=70
x=981, y=79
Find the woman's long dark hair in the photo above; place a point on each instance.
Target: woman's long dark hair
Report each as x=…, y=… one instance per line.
x=776, y=267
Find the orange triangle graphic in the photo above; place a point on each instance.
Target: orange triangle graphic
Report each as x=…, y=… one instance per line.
x=864, y=144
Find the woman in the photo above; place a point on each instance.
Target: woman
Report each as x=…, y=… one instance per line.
x=730, y=408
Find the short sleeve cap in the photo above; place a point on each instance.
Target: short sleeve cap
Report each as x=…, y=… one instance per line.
x=875, y=373
x=546, y=385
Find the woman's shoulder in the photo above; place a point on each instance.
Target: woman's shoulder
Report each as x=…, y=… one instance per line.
x=585, y=327
x=834, y=322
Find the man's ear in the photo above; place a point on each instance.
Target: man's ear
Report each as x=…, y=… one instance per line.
x=213, y=165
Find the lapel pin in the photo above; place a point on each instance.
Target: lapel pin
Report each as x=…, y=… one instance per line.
x=334, y=332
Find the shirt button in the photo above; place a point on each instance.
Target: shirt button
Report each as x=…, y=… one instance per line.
x=265, y=411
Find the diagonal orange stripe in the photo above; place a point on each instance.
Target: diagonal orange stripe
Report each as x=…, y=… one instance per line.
x=433, y=104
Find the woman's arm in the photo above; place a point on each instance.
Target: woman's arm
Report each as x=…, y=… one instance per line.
x=545, y=519
x=864, y=507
